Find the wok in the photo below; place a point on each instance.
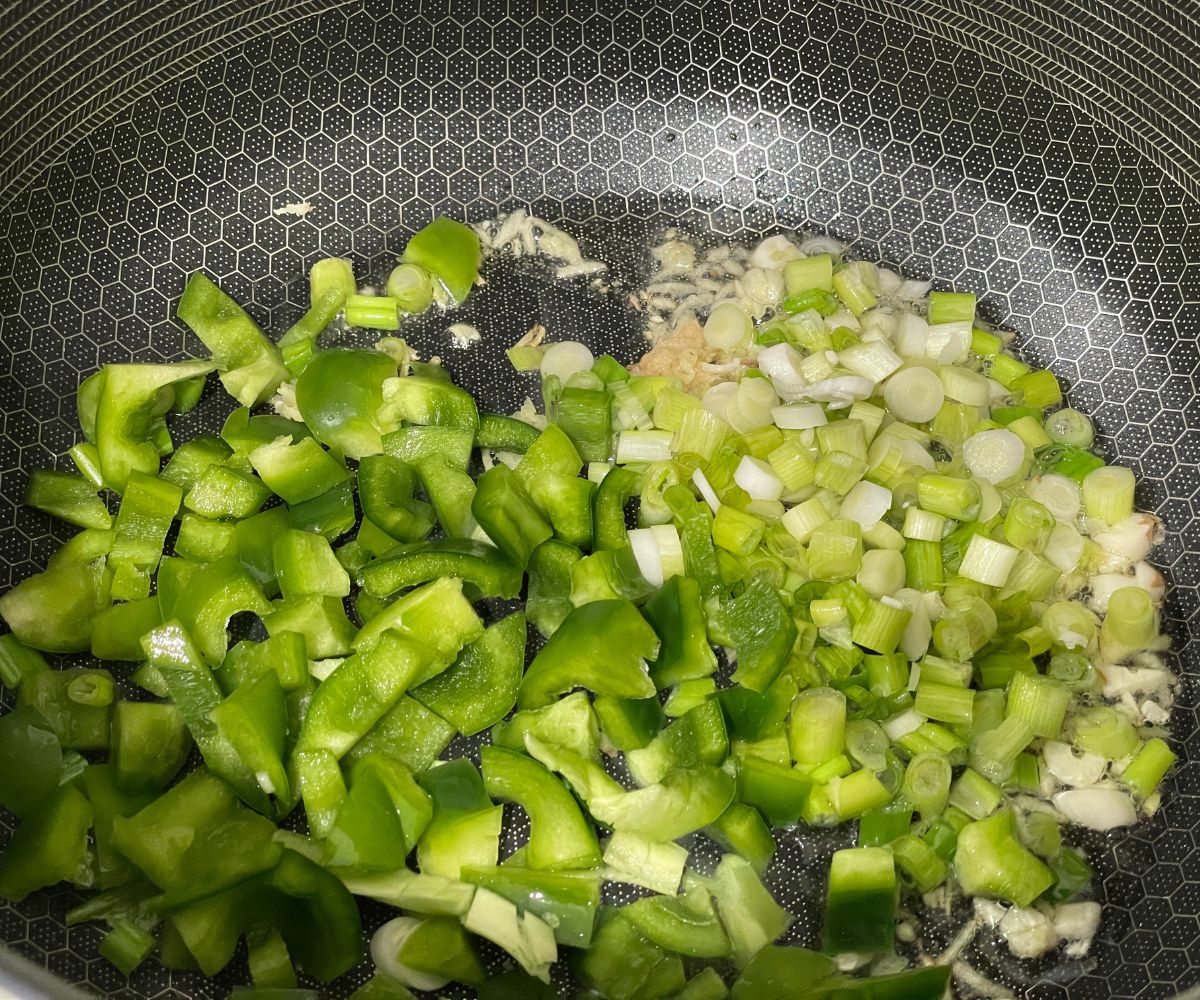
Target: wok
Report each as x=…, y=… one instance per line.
x=1042, y=153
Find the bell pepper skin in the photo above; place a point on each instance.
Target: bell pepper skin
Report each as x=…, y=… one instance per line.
x=569, y=722
x=359, y=692
x=694, y=739
x=318, y=918
x=559, y=836
x=756, y=715
x=439, y=946
x=255, y=541
x=53, y=610
x=244, y=431
x=567, y=901
x=450, y=252
x=762, y=633
x=751, y=917
x=148, y=507
x=451, y=491
x=18, y=661
x=214, y=594
x=566, y=502
x=548, y=601
x=204, y=934
x=477, y=563
x=414, y=442
x=410, y=733
x=78, y=724
x=586, y=416
x=253, y=722
x=366, y=835
x=385, y=490
x=409, y=800
x=298, y=345
x=251, y=366
x=504, y=510
x=586, y=776
x=297, y=472
x=203, y=540
x=781, y=973
x=316, y=776
x=222, y=492
x=683, y=802
x=340, y=394
x=480, y=687
x=416, y=399
x=108, y=800
x=778, y=791
x=48, y=847
x=465, y=828
x=31, y=761
x=676, y=614
x=305, y=564
x=686, y=924
x=331, y=514
x=189, y=461
x=150, y=743
x=602, y=646
x=628, y=723
x=742, y=830
x=623, y=964
x=694, y=522
x=69, y=498
x=129, y=404
x=500, y=433
x=608, y=508
x=282, y=654
x=436, y=615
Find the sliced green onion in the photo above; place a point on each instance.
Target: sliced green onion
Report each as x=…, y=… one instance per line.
x=1040, y=701
x=990, y=861
x=1108, y=493
x=1070, y=427
x=856, y=794
x=729, y=328
x=373, y=312
x=914, y=394
x=644, y=446
x=808, y=273
x=411, y=286
x=805, y=518
x=919, y=862
x=670, y=406
x=835, y=551
x=951, y=497
x=926, y=784
x=987, y=561
x=839, y=471
x=1039, y=388
x=1149, y=767
x=1104, y=731
x=737, y=532
x=1007, y=370
x=1130, y=625
x=817, y=727
x=945, y=703
x=994, y=752
x=975, y=795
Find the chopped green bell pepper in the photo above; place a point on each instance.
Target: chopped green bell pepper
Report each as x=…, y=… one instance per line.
x=214, y=594
x=694, y=739
x=683, y=802
x=450, y=252
x=340, y=394
x=305, y=564
x=18, y=661
x=224, y=492
x=244, y=431
x=49, y=846
x=31, y=761
x=504, y=510
x=69, y=498
x=439, y=946
x=416, y=399
x=251, y=366
x=676, y=614
x=77, y=704
x=109, y=800
x=253, y=722
x=320, y=619
x=410, y=733
x=602, y=646
x=860, y=908
x=318, y=918
x=437, y=615
x=628, y=723
x=742, y=830
x=385, y=490
x=282, y=654
x=203, y=540
x=569, y=722
x=623, y=964
x=190, y=460
x=297, y=472
x=686, y=924
x=567, y=901
x=451, y=491
x=762, y=633
x=150, y=743
x=474, y=562
x=414, y=442
x=550, y=453
x=608, y=508
x=143, y=520
x=751, y=917
x=480, y=687
x=465, y=829
x=53, y=610
x=500, y=433
x=566, y=501
x=331, y=514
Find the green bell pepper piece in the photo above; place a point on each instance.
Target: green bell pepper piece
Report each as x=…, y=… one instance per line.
x=706, y=984
x=299, y=344
x=214, y=594
x=224, y=492
x=297, y=472
x=628, y=723
x=686, y=924
x=586, y=416
x=31, y=761
x=331, y=514
x=757, y=715
x=608, y=509
x=439, y=946
x=676, y=614
x=250, y=365
x=117, y=631
x=86, y=457
x=437, y=615
x=409, y=800
x=566, y=502
x=321, y=620
x=694, y=739
x=255, y=538
x=76, y=703
x=742, y=830
x=415, y=891
x=253, y=722
x=694, y=522
x=607, y=575
x=569, y=722
x=244, y=431
x=465, y=829
x=193, y=689
x=450, y=252
x=205, y=934
x=860, y=908
x=778, y=791
x=18, y=661
x=150, y=743
x=128, y=403
x=318, y=918
x=54, y=610
x=559, y=836
x=359, y=692
x=784, y=973
x=504, y=510
x=623, y=964
x=283, y=654
x=267, y=955
x=49, y=846
x=762, y=633
x=451, y=491
x=143, y=520
x=567, y=901
x=408, y=732
x=340, y=394
x=550, y=453
x=500, y=433
x=69, y=498
x=373, y=541
x=190, y=460
x=109, y=800
x=414, y=442
x=602, y=646
x=316, y=775
x=527, y=938
x=480, y=687
x=683, y=802
x=381, y=987
x=474, y=562
x=305, y=564
x=585, y=775
x=366, y=835
x=548, y=599
x=85, y=547
x=204, y=540
x=415, y=399
x=751, y=917
x=385, y=490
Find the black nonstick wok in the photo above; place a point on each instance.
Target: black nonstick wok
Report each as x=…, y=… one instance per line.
x=1042, y=153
